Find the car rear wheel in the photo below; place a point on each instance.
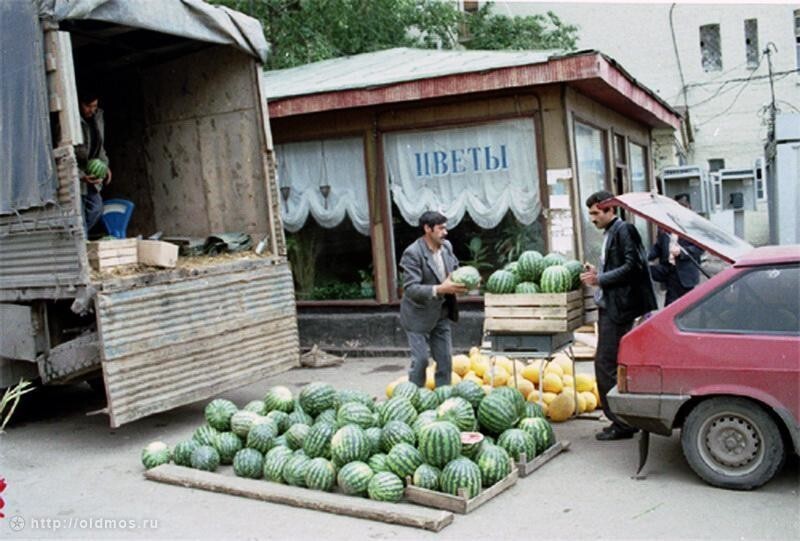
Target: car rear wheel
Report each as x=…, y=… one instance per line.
x=732, y=442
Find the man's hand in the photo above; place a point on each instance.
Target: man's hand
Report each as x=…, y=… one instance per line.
x=449, y=287
x=589, y=277
x=91, y=179
x=675, y=250
x=108, y=178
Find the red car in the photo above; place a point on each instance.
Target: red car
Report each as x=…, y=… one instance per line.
x=723, y=362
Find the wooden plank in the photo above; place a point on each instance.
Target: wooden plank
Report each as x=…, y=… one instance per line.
x=459, y=504
x=536, y=312
x=531, y=299
x=392, y=513
x=528, y=467
x=530, y=325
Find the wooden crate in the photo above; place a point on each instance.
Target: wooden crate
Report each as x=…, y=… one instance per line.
x=533, y=312
x=589, y=306
x=105, y=254
x=459, y=504
x=527, y=467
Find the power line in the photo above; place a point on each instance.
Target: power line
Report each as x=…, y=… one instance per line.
x=735, y=99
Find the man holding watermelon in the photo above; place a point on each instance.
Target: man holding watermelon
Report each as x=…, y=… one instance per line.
x=429, y=299
x=92, y=158
x=624, y=292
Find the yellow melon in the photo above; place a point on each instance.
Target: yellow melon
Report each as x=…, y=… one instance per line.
x=504, y=362
x=393, y=384
x=584, y=382
x=455, y=379
x=591, y=400
x=480, y=365
x=524, y=386
x=581, y=400
x=568, y=380
x=548, y=397
x=460, y=364
x=554, y=368
x=564, y=362
x=531, y=371
x=474, y=351
x=552, y=383
x=500, y=376
x=561, y=408
x=471, y=376
x=487, y=388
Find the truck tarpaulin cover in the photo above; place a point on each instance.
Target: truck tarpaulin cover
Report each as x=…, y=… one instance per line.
x=27, y=169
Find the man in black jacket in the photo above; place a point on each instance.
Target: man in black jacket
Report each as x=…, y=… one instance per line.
x=624, y=292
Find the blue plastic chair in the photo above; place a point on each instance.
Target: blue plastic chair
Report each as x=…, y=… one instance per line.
x=116, y=215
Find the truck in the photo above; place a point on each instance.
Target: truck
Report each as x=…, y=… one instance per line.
x=188, y=138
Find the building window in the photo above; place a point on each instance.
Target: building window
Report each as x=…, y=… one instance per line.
x=590, y=150
x=751, y=42
x=797, y=35
x=710, y=47
x=761, y=185
x=715, y=164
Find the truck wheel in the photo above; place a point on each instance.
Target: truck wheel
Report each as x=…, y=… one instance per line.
x=733, y=443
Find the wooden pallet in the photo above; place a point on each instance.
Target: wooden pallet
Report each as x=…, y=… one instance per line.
x=533, y=312
x=338, y=504
x=527, y=467
x=589, y=306
x=105, y=254
x=459, y=504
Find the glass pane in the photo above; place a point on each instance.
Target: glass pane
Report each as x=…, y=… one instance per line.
x=591, y=155
x=711, y=53
x=639, y=183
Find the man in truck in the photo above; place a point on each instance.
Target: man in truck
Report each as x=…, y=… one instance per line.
x=93, y=147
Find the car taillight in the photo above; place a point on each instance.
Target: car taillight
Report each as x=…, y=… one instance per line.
x=622, y=378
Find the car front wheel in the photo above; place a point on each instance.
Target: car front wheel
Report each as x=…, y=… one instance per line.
x=732, y=442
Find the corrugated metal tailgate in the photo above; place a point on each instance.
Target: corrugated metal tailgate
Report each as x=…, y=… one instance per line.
x=172, y=344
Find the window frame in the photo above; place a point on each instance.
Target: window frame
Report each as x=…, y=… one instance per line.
x=751, y=49
x=707, y=60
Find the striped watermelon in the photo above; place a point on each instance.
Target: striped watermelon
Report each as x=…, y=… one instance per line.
x=97, y=168
x=294, y=471
x=374, y=435
x=317, y=397
x=501, y=281
x=242, y=421
x=182, y=454
x=296, y=435
x=280, y=418
x=439, y=443
x=542, y=432
x=385, y=487
x=299, y=417
x=427, y=476
x=349, y=444
x=513, y=394
x=424, y=419
x=396, y=432
x=426, y=400
x=378, y=463
x=494, y=463
x=556, y=279
x=274, y=462
x=327, y=416
x=532, y=410
x=354, y=413
x=512, y=268
x=497, y=413
x=459, y=412
x=530, y=265
x=443, y=393
x=404, y=459
x=471, y=443
x=552, y=259
x=248, y=463
x=320, y=474
x=156, y=454
x=466, y=276
x=398, y=409
x=280, y=441
x=279, y=399
x=518, y=442
x=461, y=473
x=318, y=440
x=205, y=458
x=469, y=391
x=227, y=445
x=205, y=435
x=354, y=477
x=218, y=414
x=349, y=395
x=261, y=436
x=406, y=390
x=256, y=406
x=526, y=288
x=575, y=267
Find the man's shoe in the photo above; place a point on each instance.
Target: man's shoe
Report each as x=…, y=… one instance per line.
x=615, y=433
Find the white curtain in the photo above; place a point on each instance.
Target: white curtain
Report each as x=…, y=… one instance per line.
x=336, y=163
x=484, y=170
x=591, y=157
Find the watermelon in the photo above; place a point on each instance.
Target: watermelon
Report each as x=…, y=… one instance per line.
x=256, y=406
x=396, y=432
x=182, y=454
x=531, y=409
x=427, y=476
x=378, y=463
x=274, y=462
x=248, y=463
x=218, y=414
x=349, y=395
x=205, y=435
x=501, y=281
x=426, y=400
x=398, y=409
x=354, y=477
x=458, y=411
x=97, y=168
x=205, y=458
x=374, y=435
x=349, y=444
x=494, y=464
x=556, y=279
x=328, y=416
x=279, y=399
x=552, y=259
x=517, y=443
x=512, y=268
x=280, y=441
x=439, y=443
x=354, y=413
x=261, y=436
x=575, y=267
x=403, y=459
x=280, y=418
x=469, y=391
x=471, y=443
x=526, y=288
x=320, y=474
x=294, y=471
x=406, y=390
x=317, y=442
x=530, y=265
x=227, y=445
x=466, y=276
x=540, y=430
x=497, y=413
x=461, y=473
x=156, y=454
x=317, y=397
x=514, y=395
x=242, y=421
x=424, y=419
x=296, y=435
x=443, y=393
x=299, y=417
x=385, y=487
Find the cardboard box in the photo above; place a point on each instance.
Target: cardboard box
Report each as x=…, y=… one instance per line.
x=158, y=253
x=105, y=254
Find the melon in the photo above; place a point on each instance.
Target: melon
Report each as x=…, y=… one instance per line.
x=156, y=454
x=584, y=382
x=530, y=265
x=460, y=364
x=562, y=407
x=552, y=383
x=467, y=276
x=501, y=282
x=556, y=279
x=97, y=168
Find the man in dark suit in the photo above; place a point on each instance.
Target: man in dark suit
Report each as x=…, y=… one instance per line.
x=429, y=299
x=624, y=292
x=675, y=268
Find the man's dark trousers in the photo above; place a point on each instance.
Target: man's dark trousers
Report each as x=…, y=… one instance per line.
x=440, y=350
x=605, y=360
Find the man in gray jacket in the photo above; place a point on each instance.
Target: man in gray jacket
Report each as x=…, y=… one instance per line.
x=93, y=128
x=429, y=299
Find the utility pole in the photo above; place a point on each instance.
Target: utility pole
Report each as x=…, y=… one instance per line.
x=772, y=108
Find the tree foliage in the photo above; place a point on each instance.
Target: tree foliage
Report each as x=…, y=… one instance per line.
x=303, y=31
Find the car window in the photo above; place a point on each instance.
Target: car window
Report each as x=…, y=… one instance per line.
x=765, y=300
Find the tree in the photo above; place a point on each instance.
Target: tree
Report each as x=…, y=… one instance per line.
x=303, y=31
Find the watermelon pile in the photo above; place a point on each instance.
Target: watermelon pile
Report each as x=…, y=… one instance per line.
x=534, y=273
x=459, y=439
